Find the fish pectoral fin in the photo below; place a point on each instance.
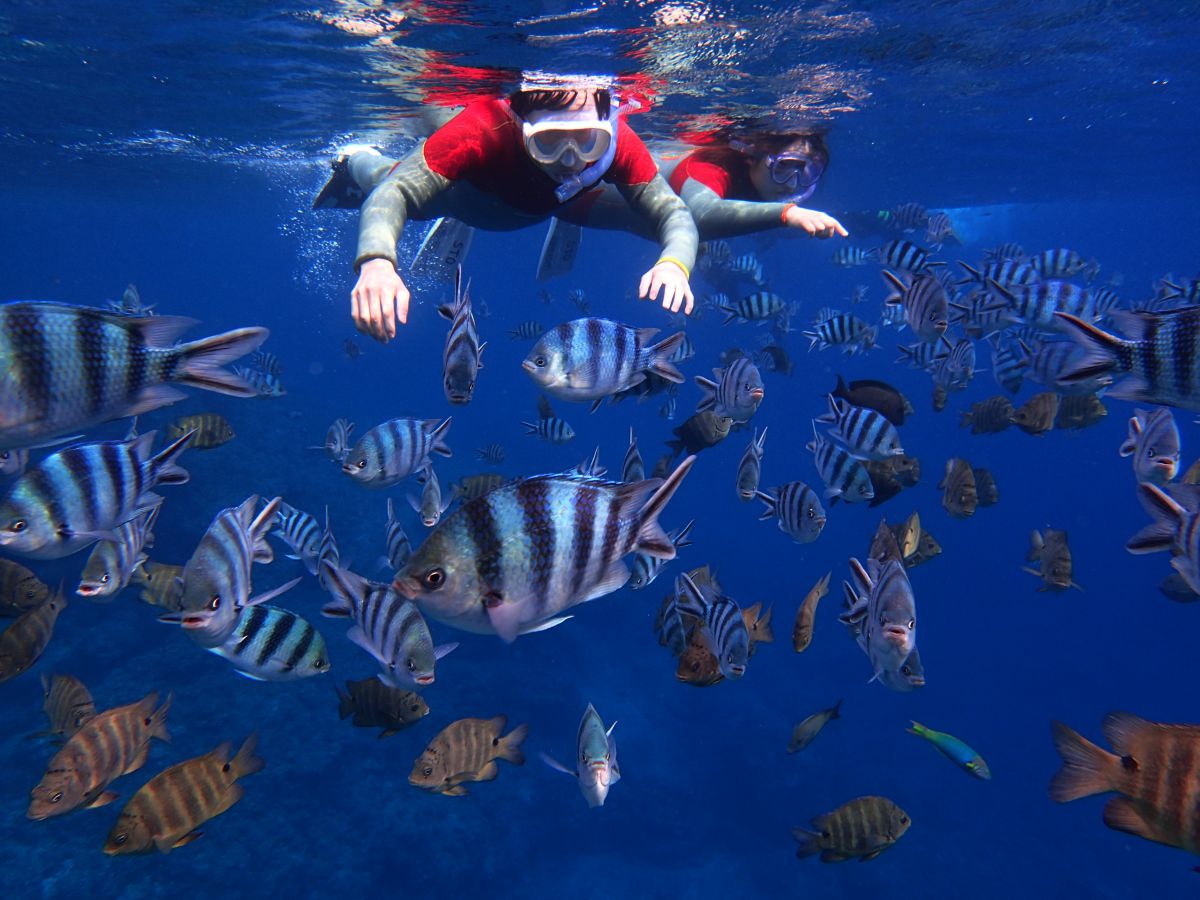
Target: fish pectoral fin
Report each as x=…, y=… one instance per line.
x=454, y=790
x=505, y=619
x=1122, y=814
x=165, y=844
x=139, y=759
x=557, y=766
x=613, y=579
x=545, y=626
x=104, y=799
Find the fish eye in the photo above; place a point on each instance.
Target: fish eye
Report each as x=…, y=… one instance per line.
x=540, y=362
x=362, y=463
x=17, y=525
x=414, y=708
x=427, y=771
x=104, y=578
x=435, y=578
x=1150, y=452
x=56, y=797
x=862, y=488
x=120, y=839
x=906, y=669
x=904, y=820
x=412, y=666
x=912, y=623
x=812, y=513
x=215, y=603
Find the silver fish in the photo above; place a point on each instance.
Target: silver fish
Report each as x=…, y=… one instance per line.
x=749, y=470
x=389, y=453
x=300, y=531
x=1153, y=443
x=112, y=563
x=882, y=613
x=461, y=358
x=431, y=505
x=595, y=758
x=735, y=394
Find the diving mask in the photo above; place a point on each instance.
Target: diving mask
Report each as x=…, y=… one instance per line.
x=559, y=132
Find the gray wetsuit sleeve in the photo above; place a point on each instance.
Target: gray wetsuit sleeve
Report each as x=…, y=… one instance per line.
x=672, y=221
x=410, y=186
x=720, y=218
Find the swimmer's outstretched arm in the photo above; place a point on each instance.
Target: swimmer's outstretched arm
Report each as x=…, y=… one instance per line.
x=380, y=296
x=717, y=217
x=661, y=207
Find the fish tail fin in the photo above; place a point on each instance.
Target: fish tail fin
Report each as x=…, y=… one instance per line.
x=810, y=842
x=708, y=393
x=772, y=505
x=917, y=728
x=1160, y=534
x=1036, y=544
x=345, y=703
x=1102, y=351
x=162, y=466
x=260, y=549
x=651, y=539
x=158, y=719
x=1087, y=769
x=509, y=747
x=438, y=438
x=660, y=364
x=203, y=361
x=837, y=710
x=246, y=763
x=688, y=597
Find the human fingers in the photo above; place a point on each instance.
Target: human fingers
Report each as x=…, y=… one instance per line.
x=648, y=287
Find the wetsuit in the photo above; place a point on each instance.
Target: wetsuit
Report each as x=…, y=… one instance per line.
x=475, y=169
x=715, y=184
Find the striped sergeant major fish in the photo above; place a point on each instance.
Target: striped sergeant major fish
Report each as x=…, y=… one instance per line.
x=492, y=454
x=68, y=368
x=590, y=359
x=266, y=362
x=478, y=571
x=925, y=356
x=551, y=429
x=1009, y=250
x=595, y=758
x=112, y=744
x=1009, y=363
x=461, y=358
x=390, y=452
x=337, y=440
x=979, y=315
x=844, y=476
x=1005, y=272
x=633, y=469
x=909, y=217
x=882, y=614
x=399, y=548
x=23, y=642
x=904, y=255
x=749, y=470
x=938, y=230
x=80, y=494
x=736, y=392
x=264, y=384
x=843, y=330
x=390, y=628
x=272, y=644
x=748, y=266
x=526, y=331
x=723, y=627
x=646, y=568
x=866, y=433
x=852, y=256
x=761, y=306
x=715, y=253
x=798, y=510
x=926, y=309
x=112, y=563
x=300, y=531
x=1036, y=304
x=1058, y=263
x=684, y=350
x=1051, y=362
x=430, y=505
x=216, y=578
x=1160, y=361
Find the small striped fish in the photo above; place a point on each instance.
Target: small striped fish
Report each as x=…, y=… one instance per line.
x=493, y=453
x=79, y=495
x=263, y=383
x=430, y=506
x=667, y=410
x=471, y=486
x=478, y=570
x=13, y=462
x=979, y=315
x=112, y=563
x=852, y=256
x=210, y=430
x=165, y=813
x=924, y=356
x=526, y=331
x=646, y=568
x=939, y=230
x=272, y=644
x=749, y=469
x=844, y=330
x=1005, y=251
x=20, y=589
x=909, y=216
x=300, y=531
x=723, y=624
x=68, y=705
x=266, y=362
x=577, y=297
x=866, y=433
x=1058, y=263
x=337, y=440
x=461, y=359
x=685, y=350
x=399, y=549
x=905, y=255
x=844, y=476
x=670, y=628
x=798, y=510
x=716, y=253
x=748, y=266
x=760, y=306
x=736, y=392
x=551, y=429
x=1008, y=363
x=926, y=309
x=161, y=584
x=467, y=750
x=71, y=367
x=862, y=828
x=390, y=628
x=1036, y=304
x=633, y=469
x=590, y=467
x=131, y=304
x=23, y=642
x=389, y=453
x=112, y=744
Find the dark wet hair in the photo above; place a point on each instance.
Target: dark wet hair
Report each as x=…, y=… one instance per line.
x=525, y=102
x=811, y=143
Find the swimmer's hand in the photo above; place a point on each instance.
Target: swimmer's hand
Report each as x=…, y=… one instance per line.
x=673, y=282
x=378, y=299
x=816, y=223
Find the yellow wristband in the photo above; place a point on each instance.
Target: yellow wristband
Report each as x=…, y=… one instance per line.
x=783, y=215
x=686, y=271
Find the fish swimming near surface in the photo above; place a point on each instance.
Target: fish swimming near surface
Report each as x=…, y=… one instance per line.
x=112, y=744
x=797, y=509
x=23, y=642
x=1154, y=767
x=595, y=758
x=806, y=732
x=802, y=629
x=959, y=492
x=1053, y=556
x=471, y=572
x=877, y=395
x=166, y=813
x=862, y=829
x=954, y=750
x=211, y=430
x=1154, y=445
x=467, y=750
x=388, y=453
x=68, y=705
x=374, y=704
x=102, y=366
x=20, y=589
x=735, y=392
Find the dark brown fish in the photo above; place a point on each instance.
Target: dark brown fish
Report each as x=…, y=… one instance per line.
x=466, y=750
x=990, y=416
x=662, y=467
x=862, y=828
x=377, y=705
x=732, y=355
x=1054, y=560
x=877, y=395
x=885, y=545
x=776, y=359
x=22, y=643
x=758, y=626
x=209, y=430
x=20, y=589
x=472, y=486
x=112, y=744
x=1038, y=414
x=68, y=705
x=802, y=630
x=892, y=475
x=806, y=732
x=162, y=585
x=940, y=396
x=958, y=489
x=1155, y=768
x=169, y=808
x=697, y=664
x=701, y=430
x=985, y=487
x=927, y=549
x=1076, y=412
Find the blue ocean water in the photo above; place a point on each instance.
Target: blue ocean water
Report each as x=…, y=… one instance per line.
x=178, y=146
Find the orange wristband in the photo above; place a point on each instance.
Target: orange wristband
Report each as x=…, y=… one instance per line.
x=783, y=215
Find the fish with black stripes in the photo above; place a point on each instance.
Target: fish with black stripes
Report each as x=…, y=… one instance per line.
x=374, y=704
x=632, y=468
x=493, y=453
x=467, y=750
x=843, y=330
x=20, y=589
x=926, y=308
x=390, y=452
x=461, y=358
x=337, y=440
x=845, y=477
x=646, y=568
x=749, y=470
x=211, y=430
x=272, y=644
x=735, y=393
x=300, y=531
x=68, y=706
x=111, y=564
x=797, y=509
x=23, y=642
x=399, y=548
x=905, y=255
x=866, y=433
x=761, y=306
x=723, y=626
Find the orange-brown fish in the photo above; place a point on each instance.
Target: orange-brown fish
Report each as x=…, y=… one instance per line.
x=1155, y=768
x=986, y=490
x=68, y=705
x=1053, y=556
x=22, y=643
x=802, y=630
x=758, y=626
x=958, y=489
x=1038, y=414
x=862, y=828
x=20, y=589
x=1079, y=411
x=698, y=666
x=990, y=416
x=704, y=429
x=169, y=808
x=377, y=705
x=162, y=585
x=210, y=430
x=467, y=750
x=112, y=744
x=806, y=732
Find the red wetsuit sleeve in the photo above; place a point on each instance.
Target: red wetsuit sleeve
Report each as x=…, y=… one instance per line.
x=633, y=163
x=715, y=177
x=459, y=148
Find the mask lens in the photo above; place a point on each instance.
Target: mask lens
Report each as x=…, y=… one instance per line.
x=549, y=145
x=794, y=171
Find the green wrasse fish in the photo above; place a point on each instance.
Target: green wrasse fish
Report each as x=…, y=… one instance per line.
x=954, y=750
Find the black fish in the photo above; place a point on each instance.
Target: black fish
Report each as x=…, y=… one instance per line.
x=877, y=395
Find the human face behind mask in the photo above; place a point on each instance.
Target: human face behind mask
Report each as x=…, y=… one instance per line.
x=566, y=141
x=791, y=175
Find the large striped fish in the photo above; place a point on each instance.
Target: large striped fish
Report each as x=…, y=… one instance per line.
x=390, y=628
x=735, y=393
x=112, y=563
x=66, y=368
x=112, y=744
x=724, y=628
x=80, y=494
x=272, y=644
x=511, y=561
x=595, y=758
x=881, y=614
x=168, y=809
x=461, y=358
x=926, y=309
x=23, y=642
x=590, y=359
x=389, y=453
